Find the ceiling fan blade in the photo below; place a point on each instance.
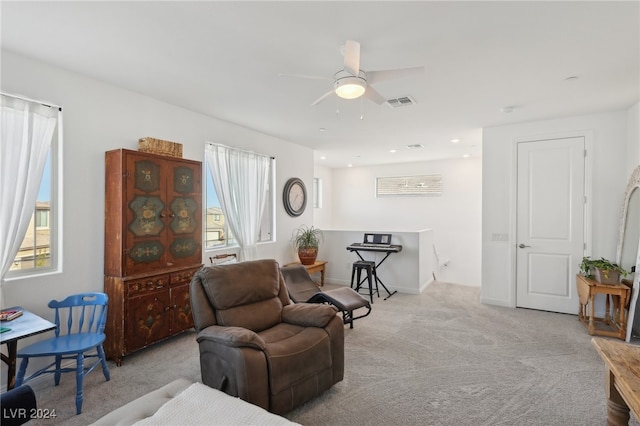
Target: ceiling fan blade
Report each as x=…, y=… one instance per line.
x=309, y=77
x=352, y=57
x=323, y=97
x=371, y=94
x=374, y=77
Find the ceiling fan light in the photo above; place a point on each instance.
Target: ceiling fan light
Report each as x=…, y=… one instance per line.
x=350, y=87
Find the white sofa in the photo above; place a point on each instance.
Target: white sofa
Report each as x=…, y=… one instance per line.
x=187, y=403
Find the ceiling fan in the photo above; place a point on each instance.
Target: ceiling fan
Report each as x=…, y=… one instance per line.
x=351, y=82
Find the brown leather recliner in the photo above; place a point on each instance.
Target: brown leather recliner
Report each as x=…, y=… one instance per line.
x=258, y=345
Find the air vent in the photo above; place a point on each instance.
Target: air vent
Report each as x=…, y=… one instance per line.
x=415, y=146
x=400, y=102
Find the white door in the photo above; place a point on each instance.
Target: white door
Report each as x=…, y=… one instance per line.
x=550, y=223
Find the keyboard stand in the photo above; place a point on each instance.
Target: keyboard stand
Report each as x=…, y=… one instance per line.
x=387, y=253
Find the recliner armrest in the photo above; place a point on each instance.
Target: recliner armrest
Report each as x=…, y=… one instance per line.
x=308, y=314
x=232, y=336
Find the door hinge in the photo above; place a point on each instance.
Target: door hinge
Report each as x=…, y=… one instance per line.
x=584, y=246
x=585, y=152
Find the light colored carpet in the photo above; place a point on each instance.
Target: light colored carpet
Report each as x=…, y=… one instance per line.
x=439, y=358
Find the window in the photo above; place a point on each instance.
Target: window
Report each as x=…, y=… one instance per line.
x=217, y=232
x=424, y=185
x=40, y=248
x=317, y=193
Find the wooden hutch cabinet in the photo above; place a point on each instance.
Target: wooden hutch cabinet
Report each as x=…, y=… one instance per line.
x=153, y=246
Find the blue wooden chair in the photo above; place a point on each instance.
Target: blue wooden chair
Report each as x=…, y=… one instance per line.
x=80, y=321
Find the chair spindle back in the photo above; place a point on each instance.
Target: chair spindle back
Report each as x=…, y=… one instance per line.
x=78, y=310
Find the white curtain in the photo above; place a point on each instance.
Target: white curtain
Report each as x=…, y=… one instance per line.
x=241, y=181
x=26, y=131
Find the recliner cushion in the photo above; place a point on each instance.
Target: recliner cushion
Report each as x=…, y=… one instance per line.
x=256, y=316
x=245, y=294
x=295, y=354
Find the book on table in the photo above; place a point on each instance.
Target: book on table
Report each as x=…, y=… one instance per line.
x=10, y=314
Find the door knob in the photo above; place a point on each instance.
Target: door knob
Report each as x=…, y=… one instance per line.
x=522, y=245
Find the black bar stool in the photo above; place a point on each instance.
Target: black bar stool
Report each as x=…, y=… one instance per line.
x=370, y=268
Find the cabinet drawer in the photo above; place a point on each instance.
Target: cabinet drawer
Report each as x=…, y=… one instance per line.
x=182, y=277
x=148, y=284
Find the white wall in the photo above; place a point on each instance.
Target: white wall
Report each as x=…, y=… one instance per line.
x=100, y=117
x=607, y=164
x=633, y=138
x=454, y=217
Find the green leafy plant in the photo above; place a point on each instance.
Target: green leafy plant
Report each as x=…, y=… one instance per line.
x=307, y=237
x=306, y=240
x=588, y=265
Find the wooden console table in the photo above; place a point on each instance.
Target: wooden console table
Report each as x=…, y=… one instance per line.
x=318, y=266
x=622, y=379
x=615, y=315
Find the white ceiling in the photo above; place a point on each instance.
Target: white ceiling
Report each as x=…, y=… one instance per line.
x=223, y=59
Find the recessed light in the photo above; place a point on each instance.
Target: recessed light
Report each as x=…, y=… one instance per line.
x=393, y=150
x=349, y=165
x=323, y=158
x=322, y=129
x=454, y=140
x=466, y=155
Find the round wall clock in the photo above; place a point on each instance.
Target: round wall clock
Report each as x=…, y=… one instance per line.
x=294, y=197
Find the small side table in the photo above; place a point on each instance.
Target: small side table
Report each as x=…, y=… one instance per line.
x=615, y=314
x=318, y=266
x=28, y=324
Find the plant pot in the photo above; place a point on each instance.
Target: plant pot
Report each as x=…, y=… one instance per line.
x=607, y=276
x=307, y=256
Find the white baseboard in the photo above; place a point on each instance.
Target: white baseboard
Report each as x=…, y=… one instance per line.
x=496, y=302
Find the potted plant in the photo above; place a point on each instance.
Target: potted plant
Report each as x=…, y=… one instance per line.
x=602, y=270
x=306, y=240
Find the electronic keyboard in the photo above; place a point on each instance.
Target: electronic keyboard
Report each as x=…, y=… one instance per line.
x=389, y=248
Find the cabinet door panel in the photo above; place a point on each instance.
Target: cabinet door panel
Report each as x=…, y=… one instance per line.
x=147, y=319
x=184, y=215
x=181, y=313
x=185, y=207
x=147, y=216
x=146, y=213
x=185, y=179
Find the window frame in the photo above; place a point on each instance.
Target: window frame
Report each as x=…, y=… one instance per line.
x=317, y=193
x=55, y=207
